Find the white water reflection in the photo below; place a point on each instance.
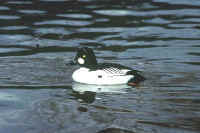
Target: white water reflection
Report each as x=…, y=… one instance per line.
x=8, y=97
x=100, y=88
x=8, y=17
x=157, y=21
x=186, y=2
x=114, y=12
x=13, y=39
x=180, y=12
x=32, y=11
x=4, y=50
x=19, y=2
x=14, y=28
x=77, y=16
x=61, y=31
x=4, y=8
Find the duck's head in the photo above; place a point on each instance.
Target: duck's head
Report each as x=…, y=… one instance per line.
x=85, y=57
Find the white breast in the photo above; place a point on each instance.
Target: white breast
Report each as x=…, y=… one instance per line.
x=101, y=77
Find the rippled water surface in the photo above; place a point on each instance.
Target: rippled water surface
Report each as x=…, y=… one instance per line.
x=159, y=37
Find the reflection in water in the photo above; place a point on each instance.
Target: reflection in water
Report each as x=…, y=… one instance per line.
x=115, y=130
x=87, y=97
x=87, y=92
x=81, y=88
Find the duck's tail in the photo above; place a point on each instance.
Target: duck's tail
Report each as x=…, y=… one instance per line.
x=136, y=79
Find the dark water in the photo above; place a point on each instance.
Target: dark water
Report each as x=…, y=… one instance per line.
x=159, y=37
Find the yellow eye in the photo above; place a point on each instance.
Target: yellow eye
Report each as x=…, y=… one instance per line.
x=84, y=56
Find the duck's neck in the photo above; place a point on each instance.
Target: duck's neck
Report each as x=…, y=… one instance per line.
x=90, y=66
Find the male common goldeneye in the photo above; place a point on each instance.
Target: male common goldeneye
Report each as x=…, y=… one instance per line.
x=91, y=72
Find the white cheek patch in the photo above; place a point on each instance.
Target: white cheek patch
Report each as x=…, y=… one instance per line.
x=81, y=61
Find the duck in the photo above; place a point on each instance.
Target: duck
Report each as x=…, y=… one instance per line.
x=92, y=72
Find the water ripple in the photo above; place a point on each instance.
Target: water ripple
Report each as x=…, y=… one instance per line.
x=77, y=16
x=13, y=39
x=114, y=12
x=53, y=0
x=60, y=31
x=182, y=2
x=182, y=25
x=64, y=22
x=14, y=28
x=4, y=8
x=32, y=11
x=19, y=2
x=158, y=21
x=106, y=30
x=180, y=12
x=6, y=50
x=8, y=17
x=190, y=20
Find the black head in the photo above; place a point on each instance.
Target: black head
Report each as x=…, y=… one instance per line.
x=85, y=57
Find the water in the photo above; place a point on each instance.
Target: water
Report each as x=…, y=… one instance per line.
x=158, y=37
